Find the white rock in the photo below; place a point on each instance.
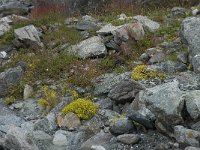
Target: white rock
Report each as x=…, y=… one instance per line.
x=3, y=54
x=28, y=90
x=107, y=29
x=59, y=139
x=97, y=147
x=4, y=27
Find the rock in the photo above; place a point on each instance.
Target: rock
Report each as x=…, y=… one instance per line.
x=196, y=126
x=51, y=117
x=135, y=31
x=121, y=126
x=12, y=18
x=19, y=139
x=92, y=47
x=186, y=136
x=112, y=45
x=97, y=147
x=183, y=58
x=15, y=7
x=191, y=148
x=104, y=83
x=122, y=17
x=128, y=138
x=42, y=125
x=8, y=119
x=144, y=57
x=107, y=29
x=70, y=120
x=125, y=91
x=195, y=12
x=4, y=27
x=139, y=118
x=86, y=25
x=59, y=139
x=169, y=67
x=9, y=79
x=189, y=81
x=98, y=139
x=148, y=24
x=76, y=140
x=157, y=58
x=178, y=12
x=30, y=109
x=165, y=101
x=106, y=103
x=29, y=36
x=190, y=35
x=171, y=46
x=3, y=54
x=192, y=100
x=28, y=90
x=84, y=34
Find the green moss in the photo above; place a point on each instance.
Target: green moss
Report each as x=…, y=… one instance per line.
x=141, y=72
x=84, y=108
x=62, y=35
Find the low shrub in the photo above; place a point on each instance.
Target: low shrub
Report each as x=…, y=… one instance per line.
x=84, y=108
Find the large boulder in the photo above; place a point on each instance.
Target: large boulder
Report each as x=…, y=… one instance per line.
x=148, y=24
x=19, y=139
x=165, y=101
x=92, y=47
x=190, y=33
x=29, y=36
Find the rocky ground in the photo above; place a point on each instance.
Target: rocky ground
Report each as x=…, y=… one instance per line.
x=99, y=82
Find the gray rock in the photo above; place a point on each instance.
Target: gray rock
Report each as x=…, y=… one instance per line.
x=29, y=36
x=76, y=140
x=106, y=103
x=186, y=136
x=112, y=45
x=128, y=138
x=149, y=24
x=19, y=139
x=97, y=147
x=196, y=126
x=169, y=67
x=189, y=81
x=86, y=25
x=104, y=83
x=196, y=63
x=190, y=35
x=139, y=118
x=191, y=148
x=42, y=125
x=51, y=117
x=125, y=91
x=165, y=101
x=4, y=27
x=171, y=46
x=107, y=29
x=183, y=58
x=157, y=58
x=192, y=100
x=92, y=47
x=14, y=7
x=59, y=139
x=178, y=12
x=98, y=139
x=12, y=18
x=28, y=91
x=144, y=57
x=121, y=126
